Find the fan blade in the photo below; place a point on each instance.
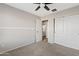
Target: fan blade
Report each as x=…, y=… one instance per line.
x=37, y=8
x=47, y=3
x=37, y=3
x=46, y=7
x=54, y=10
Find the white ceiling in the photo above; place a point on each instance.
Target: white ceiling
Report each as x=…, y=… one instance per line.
x=30, y=7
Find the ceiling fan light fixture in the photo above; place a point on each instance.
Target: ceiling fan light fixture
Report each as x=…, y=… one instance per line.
x=45, y=6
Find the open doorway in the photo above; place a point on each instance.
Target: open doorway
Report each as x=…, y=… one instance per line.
x=44, y=30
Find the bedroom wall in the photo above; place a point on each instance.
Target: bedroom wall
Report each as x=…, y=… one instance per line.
x=66, y=27
x=67, y=31
x=17, y=28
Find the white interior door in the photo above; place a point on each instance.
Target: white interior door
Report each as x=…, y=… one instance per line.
x=38, y=30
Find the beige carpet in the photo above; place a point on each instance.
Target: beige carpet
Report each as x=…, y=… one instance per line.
x=43, y=49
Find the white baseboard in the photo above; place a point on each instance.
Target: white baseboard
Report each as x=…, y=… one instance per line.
x=16, y=47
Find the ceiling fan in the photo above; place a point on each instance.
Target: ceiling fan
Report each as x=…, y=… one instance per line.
x=45, y=6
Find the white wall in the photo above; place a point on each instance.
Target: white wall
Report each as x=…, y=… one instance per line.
x=17, y=28
x=66, y=27
x=67, y=31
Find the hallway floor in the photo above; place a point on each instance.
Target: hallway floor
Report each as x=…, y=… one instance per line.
x=43, y=49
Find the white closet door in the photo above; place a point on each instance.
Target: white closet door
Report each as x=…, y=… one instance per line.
x=67, y=31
